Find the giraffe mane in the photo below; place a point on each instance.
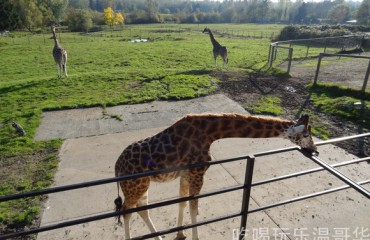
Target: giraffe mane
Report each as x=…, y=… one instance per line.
x=235, y=115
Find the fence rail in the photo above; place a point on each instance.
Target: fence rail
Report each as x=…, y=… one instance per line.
x=313, y=47
x=322, y=55
x=246, y=187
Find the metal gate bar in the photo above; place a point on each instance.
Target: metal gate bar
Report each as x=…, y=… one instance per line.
x=246, y=188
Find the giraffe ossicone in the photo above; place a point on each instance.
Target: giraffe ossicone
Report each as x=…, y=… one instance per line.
x=188, y=142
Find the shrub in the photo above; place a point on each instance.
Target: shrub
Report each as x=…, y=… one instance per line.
x=79, y=20
x=315, y=31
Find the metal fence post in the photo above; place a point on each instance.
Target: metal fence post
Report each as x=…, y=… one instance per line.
x=290, y=59
x=272, y=55
x=269, y=56
x=318, y=68
x=366, y=78
x=308, y=48
x=246, y=196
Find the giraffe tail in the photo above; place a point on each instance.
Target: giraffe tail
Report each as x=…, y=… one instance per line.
x=119, y=204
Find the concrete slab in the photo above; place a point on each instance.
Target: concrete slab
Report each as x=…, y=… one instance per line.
x=91, y=121
x=93, y=158
x=90, y=158
x=345, y=210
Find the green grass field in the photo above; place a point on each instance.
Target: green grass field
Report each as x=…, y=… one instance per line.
x=104, y=69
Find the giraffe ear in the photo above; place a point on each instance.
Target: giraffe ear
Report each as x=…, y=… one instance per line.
x=304, y=119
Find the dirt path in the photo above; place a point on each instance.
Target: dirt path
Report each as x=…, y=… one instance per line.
x=344, y=71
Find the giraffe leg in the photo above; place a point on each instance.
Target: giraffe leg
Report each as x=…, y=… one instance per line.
x=59, y=70
x=65, y=70
x=133, y=197
x=145, y=214
x=196, y=183
x=126, y=221
x=184, y=192
x=65, y=64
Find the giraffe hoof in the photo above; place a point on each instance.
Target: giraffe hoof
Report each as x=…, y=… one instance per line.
x=180, y=236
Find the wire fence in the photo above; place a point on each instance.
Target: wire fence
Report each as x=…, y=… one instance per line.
x=245, y=187
x=131, y=33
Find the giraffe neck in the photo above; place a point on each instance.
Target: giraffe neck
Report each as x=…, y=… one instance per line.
x=56, y=42
x=218, y=126
x=213, y=40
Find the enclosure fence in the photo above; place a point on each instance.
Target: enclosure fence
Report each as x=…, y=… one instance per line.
x=128, y=33
x=322, y=55
x=305, y=48
x=246, y=187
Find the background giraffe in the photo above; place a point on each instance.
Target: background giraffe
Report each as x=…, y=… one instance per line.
x=60, y=55
x=218, y=50
x=188, y=142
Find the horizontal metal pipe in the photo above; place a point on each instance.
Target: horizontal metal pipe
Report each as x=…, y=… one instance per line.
x=111, y=180
x=341, y=176
x=176, y=229
x=149, y=173
x=283, y=47
x=344, y=55
x=313, y=170
x=341, y=139
x=312, y=39
x=115, y=214
x=306, y=197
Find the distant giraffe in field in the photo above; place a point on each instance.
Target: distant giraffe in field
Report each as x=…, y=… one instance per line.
x=188, y=142
x=60, y=55
x=218, y=50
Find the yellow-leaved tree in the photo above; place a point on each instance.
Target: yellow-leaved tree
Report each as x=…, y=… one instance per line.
x=109, y=16
x=112, y=19
x=118, y=19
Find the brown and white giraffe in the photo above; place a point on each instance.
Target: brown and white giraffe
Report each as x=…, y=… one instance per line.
x=188, y=142
x=218, y=50
x=60, y=55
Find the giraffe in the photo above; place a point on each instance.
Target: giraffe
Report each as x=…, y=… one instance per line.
x=188, y=142
x=59, y=54
x=218, y=50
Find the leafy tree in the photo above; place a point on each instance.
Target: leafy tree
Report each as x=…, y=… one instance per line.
x=152, y=11
x=79, y=19
x=29, y=14
x=9, y=18
x=109, y=16
x=339, y=13
x=230, y=14
x=81, y=4
x=301, y=14
x=47, y=13
x=118, y=19
x=58, y=7
x=363, y=13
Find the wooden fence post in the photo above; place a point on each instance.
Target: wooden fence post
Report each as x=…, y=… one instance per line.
x=318, y=69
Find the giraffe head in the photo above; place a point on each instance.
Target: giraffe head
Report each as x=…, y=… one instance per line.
x=206, y=30
x=300, y=134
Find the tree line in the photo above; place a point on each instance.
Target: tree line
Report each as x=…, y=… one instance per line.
x=83, y=15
